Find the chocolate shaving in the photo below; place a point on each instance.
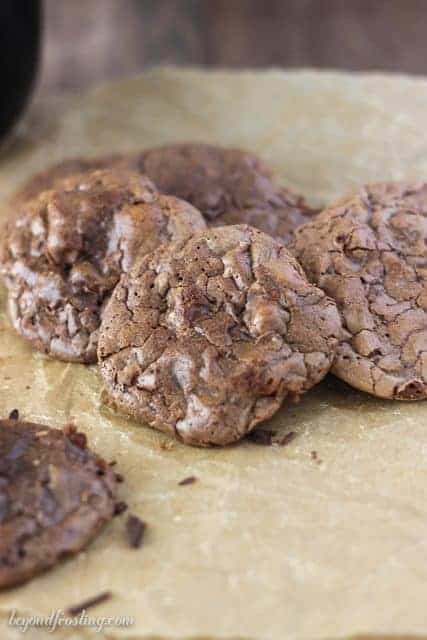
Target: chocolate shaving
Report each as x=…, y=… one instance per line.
x=119, y=508
x=188, y=480
x=14, y=414
x=135, y=528
x=89, y=603
x=260, y=436
x=287, y=438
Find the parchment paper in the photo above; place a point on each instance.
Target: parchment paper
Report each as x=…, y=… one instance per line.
x=269, y=543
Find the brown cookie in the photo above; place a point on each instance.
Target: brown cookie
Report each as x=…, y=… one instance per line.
x=54, y=175
x=55, y=497
x=369, y=253
x=228, y=186
x=64, y=253
x=205, y=338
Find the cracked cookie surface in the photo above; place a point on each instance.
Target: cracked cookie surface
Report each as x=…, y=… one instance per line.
x=369, y=253
x=205, y=338
x=55, y=497
x=228, y=186
x=63, y=254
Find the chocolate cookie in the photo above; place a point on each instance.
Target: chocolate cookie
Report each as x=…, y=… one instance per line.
x=228, y=186
x=64, y=253
x=55, y=497
x=53, y=176
x=205, y=338
x=369, y=253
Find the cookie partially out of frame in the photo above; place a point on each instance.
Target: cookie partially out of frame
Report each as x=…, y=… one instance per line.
x=205, y=338
x=55, y=497
x=63, y=253
x=369, y=253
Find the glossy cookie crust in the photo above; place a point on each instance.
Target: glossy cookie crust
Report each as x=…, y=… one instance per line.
x=369, y=254
x=229, y=186
x=64, y=252
x=205, y=338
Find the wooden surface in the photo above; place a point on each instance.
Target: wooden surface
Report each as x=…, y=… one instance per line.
x=90, y=41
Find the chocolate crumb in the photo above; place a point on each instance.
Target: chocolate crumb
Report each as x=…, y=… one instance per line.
x=89, y=603
x=188, y=480
x=166, y=445
x=79, y=439
x=314, y=456
x=119, y=477
x=14, y=414
x=260, y=436
x=101, y=464
x=120, y=507
x=69, y=428
x=287, y=438
x=135, y=528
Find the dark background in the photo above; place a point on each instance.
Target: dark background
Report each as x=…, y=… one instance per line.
x=90, y=41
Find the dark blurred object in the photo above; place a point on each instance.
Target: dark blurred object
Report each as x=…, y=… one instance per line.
x=19, y=53
x=92, y=41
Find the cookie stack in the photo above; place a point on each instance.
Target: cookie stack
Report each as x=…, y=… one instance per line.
x=209, y=294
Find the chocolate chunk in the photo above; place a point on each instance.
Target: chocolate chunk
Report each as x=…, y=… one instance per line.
x=14, y=414
x=135, y=528
x=77, y=609
x=188, y=480
x=52, y=502
x=205, y=338
x=368, y=252
x=63, y=253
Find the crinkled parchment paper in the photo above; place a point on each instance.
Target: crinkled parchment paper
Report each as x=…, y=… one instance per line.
x=269, y=543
